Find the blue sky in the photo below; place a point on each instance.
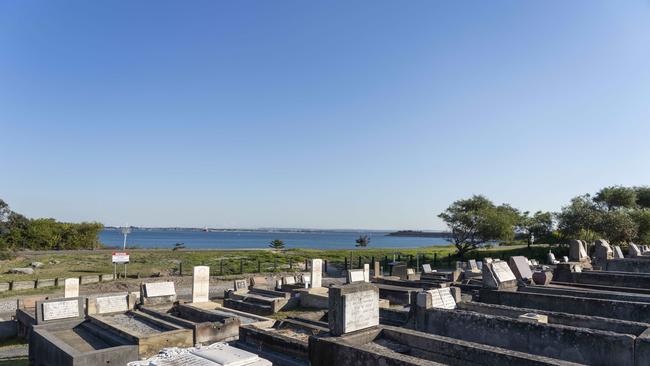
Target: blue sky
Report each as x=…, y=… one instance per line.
x=338, y=114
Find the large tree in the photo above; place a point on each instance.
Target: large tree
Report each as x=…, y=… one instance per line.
x=643, y=196
x=476, y=220
x=615, y=197
x=539, y=225
x=580, y=216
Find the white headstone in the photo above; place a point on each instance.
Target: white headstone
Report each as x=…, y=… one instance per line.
x=306, y=278
x=618, y=253
x=201, y=284
x=154, y=289
x=241, y=284
x=634, y=251
x=288, y=280
x=316, y=273
x=551, y=258
x=410, y=271
x=472, y=265
x=356, y=275
x=366, y=272
x=361, y=310
x=60, y=309
x=520, y=267
x=112, y=304
x=503, y=272
x=436, y=298
x=71, y=288
x=426, y=268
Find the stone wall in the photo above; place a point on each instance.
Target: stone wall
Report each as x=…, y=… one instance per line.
x=593, y=347
x=624, y=310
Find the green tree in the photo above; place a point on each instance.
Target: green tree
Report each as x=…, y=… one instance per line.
x=582, y=214
x=643, y=196
x=618, y=226
x=276, y=244
x=362, y=241
x=642, y=220
x=477, y=220
x=615, y=197
x=539, y=225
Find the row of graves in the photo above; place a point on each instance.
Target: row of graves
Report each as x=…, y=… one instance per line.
x=488, y=312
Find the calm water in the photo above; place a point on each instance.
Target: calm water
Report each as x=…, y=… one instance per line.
x=260, y=239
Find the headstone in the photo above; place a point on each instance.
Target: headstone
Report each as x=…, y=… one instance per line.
x=603, y=252
x=460, y=265
x=112, y=304
x=426, y=268
x=241, y=284
x=472, y=266
x=353, y=307
x=306, y=278
x=400, y=270
x=410, y=271
x=366, y=272
x=520, y=267
x=488, y=260
x=577, y=251
x=156, y=289
x=201, y=284
x=479, y=265
x=543, y=278
x=634, y=251
x=377, y=269
x=356, y=275
x=618, y=253
x=498, y=275
x=316, y=273
x=58, y=309
x=288, y=280
x=565, y=259
x=437, y=298
x=259, y=281
x=551, y=258
x=71, y=288
x=534, y=318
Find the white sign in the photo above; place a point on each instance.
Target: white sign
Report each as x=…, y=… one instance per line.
x=120, y=257
x=361, y=310
x=60, y=309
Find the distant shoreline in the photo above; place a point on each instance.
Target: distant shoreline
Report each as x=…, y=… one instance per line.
x=421, y=234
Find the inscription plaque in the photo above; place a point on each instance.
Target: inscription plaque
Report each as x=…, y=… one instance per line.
x=159, y=289
x=60, y=309
x=201, y=284
x=112, y=304
x=361, y=310
x=503, y=272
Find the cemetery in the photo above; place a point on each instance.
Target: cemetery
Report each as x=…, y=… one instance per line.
x=564, y=312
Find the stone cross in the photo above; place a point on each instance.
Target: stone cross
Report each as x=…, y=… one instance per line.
x=71, y=288
x=201, y=284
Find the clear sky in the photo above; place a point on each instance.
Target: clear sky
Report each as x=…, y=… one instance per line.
x=321, y=114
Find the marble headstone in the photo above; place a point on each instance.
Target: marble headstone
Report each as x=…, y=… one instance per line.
x=436, y=298
x=377, y=269
x=112, y=304
x=241, y=284
x=520, y=267
x=426, y=268
x=316, y=273
x=201, y=284
x=634, y=251
x=353, y=307
x=366, y=272
x=356, y=275
x=71, y=287
x=498, y=275
x=618, y=253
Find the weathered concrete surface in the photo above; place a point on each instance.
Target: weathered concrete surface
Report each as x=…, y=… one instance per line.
x=23, y=285
x=84, y=280
x=45, y=282
x=625, y=310
x=313, y=297
x=560, y=318
x=593, y=294
x=391, y=346
x=586, y=346
x=78, y=343
x=397, y=294
x=353, y=307
x=288, y=337
x=635, y=265
x=604, y=278
x=208, y=327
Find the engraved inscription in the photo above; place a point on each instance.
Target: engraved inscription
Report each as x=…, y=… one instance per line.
x=361, y=310
x=60, y=309
x=112, y=304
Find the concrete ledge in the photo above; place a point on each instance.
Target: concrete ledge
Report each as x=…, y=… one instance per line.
x=581, y=345
x=23, y=285
x=106, y=277
x=4, y=286
x=46, y=282
x=84, y=280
